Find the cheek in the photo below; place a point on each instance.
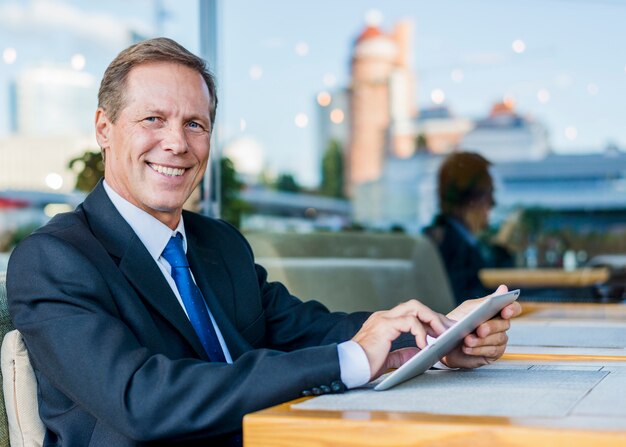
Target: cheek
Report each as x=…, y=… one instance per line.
x=201, y=150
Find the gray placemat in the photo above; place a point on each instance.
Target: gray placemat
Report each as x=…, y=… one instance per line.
x=608, y=398
x=568, y=334
x=488, y=392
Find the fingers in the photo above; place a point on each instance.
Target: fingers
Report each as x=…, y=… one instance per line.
x=474, y=343
x=476, y=351
x=511, y=311
x=399, y=357
x=434, y=320
x=382, y=328
x=489, y=353
x=492, y=326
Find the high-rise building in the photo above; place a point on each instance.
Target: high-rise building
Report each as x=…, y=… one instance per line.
x=381, y=102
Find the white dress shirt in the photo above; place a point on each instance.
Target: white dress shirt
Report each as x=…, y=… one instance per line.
x=155, y=235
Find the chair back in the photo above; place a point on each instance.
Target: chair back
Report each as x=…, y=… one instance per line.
x=5, y=326
x=20, y=424
x=355, y=271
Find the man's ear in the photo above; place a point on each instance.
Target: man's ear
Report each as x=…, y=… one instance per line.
x=103, y=127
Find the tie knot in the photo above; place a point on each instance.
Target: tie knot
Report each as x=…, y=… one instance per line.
x=174, y=252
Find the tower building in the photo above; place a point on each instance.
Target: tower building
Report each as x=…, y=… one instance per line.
x=381, y=102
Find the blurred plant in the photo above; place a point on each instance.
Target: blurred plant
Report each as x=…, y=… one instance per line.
x=20, y=234
x=421, y=143
x=232, y=205
x=287, y=183
x=332, y=171
x=89, y=169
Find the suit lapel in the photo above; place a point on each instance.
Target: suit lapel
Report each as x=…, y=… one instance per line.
x=136, y=264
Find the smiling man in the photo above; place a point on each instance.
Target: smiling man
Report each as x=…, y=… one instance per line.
x=149, y=325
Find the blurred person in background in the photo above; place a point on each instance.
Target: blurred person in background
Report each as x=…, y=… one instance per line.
x=466, y=197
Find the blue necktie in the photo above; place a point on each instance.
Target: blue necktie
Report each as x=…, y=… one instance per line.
x=192, y=298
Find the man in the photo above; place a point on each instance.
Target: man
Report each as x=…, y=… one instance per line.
x=113, y=319
x=465, y=190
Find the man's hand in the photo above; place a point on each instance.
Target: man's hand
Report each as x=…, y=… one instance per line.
x=382, y=328
x=487, y=343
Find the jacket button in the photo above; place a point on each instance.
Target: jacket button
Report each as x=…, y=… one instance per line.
x=337, y=386
x=325, y=389
x=306, y=393
x=316, y=391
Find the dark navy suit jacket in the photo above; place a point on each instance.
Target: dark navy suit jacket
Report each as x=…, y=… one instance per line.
x=117, y=361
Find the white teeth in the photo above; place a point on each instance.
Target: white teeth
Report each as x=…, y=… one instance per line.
x=172, y=172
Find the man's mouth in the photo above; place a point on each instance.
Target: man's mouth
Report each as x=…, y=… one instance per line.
x=166, y=170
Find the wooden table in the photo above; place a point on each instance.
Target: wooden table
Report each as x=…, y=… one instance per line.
x=544, y=277
x=285, y=426
x=574, y=311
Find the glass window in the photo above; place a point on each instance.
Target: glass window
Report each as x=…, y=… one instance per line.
x=335, y=117
x=53, y=56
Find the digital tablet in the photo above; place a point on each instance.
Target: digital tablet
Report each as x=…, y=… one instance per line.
x=448, y=340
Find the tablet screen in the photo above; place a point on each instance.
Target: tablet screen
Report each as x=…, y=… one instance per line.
x=448, y=340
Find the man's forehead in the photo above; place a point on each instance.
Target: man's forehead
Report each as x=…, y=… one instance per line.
x=150, y=74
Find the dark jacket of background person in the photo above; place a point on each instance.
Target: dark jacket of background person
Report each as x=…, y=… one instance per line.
x=462, y=259
x=465, y=190
x=126, y=328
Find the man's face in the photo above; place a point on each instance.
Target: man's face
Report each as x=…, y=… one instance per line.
x=158, y=148
x=477, y=212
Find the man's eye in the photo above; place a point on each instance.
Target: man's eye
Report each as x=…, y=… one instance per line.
x=151, y=119
x=196, y=127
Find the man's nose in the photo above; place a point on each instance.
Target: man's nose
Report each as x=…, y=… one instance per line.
x=175, y=139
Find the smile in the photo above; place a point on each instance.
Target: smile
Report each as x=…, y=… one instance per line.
x=165, y=170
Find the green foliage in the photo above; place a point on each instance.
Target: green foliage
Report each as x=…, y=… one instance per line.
x=89, y=169
x=332, y=171
x=421, y=143
x=232, y=205
x=287, y=183
x=20, y=234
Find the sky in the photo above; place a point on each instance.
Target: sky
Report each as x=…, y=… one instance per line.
x=274, y=56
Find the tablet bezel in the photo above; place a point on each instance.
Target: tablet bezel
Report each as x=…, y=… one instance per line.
x=448, y=340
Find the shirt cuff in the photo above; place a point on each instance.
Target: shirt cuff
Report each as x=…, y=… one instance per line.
x=353, y=364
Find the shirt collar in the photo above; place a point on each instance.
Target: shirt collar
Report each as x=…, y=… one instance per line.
x=153, y=233
x=465, y=233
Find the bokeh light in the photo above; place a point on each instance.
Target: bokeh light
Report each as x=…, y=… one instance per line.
x=337, y=116
x=457, y=75
x=437, y=96
x=330, y=80
x=54, y=181
x=543, y=96
x=518, y=46
x=256, y=72
x=301, y=120
x=78, y=61
x=571, y=133
x=302, y=48
x=324, y=99
x=9, y=55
